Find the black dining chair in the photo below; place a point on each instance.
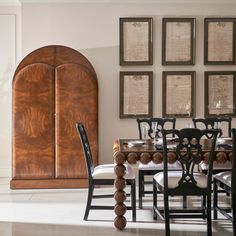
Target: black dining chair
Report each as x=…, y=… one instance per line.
x=188, y=181
x=227, y=181
x=150, y=128
x=214, y=123
x=103, y=175
x=221, y=163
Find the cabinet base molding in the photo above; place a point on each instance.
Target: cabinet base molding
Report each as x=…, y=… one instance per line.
x=48, y=183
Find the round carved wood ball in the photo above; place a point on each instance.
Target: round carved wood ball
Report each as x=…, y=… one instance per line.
x=205, y=157
x=230, y=156
x=132, y=157
x=120, y=196
x=120, y=183
x=145, y=157
x=171, y=156
x=120, y=170
x=120, y=222
x=221, y=157
x=119, y=158
x=120, y=209
x=157, y=158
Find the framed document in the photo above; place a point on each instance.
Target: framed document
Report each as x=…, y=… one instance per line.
x=178, y=41
x=220, y=93
x=136, y=41
x=178, y=94
x=219, y=41
x=136, y=94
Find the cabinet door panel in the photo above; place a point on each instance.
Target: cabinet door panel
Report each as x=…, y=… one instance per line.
x=76, y=101
x=33, y=122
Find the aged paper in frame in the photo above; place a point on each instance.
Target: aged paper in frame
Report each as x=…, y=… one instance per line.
x=220, y=93
x=178, y=41
x=219, y=41
x=135, y=41
x=136, y=94
x=178, y=93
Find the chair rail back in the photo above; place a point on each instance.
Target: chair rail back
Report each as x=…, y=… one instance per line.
x=158, y=123
x=212, y=122
x=233, y=175
x=189, y=150
x=86, y=148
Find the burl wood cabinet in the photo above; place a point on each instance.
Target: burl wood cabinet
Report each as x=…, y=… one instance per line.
x=53, y=88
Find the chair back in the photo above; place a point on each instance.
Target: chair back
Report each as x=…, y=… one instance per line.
x=151, y=127
x=214, y=123
x=189, y=150
x=233, y=175
x=86, y=148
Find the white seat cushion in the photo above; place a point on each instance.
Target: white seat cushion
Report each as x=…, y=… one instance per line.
x=175, y=176
x=224, y=177
x=152, y=166
x=216, y=165
x=106, y=171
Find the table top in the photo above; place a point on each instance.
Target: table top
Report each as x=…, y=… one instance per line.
x=124, y=145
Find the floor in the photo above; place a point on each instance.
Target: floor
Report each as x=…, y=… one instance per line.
x=60, y=213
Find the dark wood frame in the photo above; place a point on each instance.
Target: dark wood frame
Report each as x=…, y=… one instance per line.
x=122, y=38
x=206, y=43
x=150, y=93
x=206, y=92
x=193, y=40
x=164, y=93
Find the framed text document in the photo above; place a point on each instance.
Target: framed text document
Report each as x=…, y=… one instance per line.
x=136, y=94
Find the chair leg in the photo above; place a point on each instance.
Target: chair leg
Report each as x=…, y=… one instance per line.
x=233, y=199
x=215, y=200
x=209, y=230
x=89, y=200
x=154, y=200
x=133, y=200
x=140, y=190
x=185, y=201
x=166, y=212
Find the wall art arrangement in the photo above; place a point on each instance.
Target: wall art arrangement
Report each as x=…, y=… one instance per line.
x=178, y=49
x=136, y=94
x=220, y=93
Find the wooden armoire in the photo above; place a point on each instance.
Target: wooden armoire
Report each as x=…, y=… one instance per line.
x=53, y=88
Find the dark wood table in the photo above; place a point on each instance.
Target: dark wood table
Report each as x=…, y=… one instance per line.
x=145, y=153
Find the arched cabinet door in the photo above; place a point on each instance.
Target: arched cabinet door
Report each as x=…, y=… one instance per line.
x=33, y=122
x=76, y=100
x=53, y=88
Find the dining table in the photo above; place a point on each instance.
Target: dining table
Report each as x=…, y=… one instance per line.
x=144, y=151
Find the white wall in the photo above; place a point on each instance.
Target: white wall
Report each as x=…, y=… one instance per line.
x=93, y=29
x=9, y=19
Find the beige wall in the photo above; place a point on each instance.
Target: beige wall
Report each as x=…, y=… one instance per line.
x=93, y=29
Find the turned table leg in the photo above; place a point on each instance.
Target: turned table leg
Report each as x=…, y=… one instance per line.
x=120, y=194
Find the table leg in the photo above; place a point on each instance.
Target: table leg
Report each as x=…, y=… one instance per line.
x=120, y=194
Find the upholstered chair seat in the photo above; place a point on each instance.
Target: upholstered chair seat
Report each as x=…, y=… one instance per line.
x=106, y=171
x=175, y=176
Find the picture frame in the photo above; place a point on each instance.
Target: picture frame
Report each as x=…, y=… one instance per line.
x=136, y=94
x=220, y=93
x=136, y=46
x=178, y=41
x=178, y=94
x=219, y=41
